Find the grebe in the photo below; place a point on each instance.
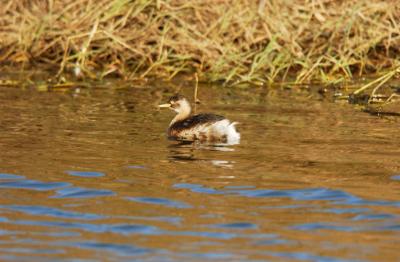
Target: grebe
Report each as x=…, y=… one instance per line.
x=203, y=127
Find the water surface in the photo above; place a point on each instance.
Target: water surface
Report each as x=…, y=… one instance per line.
x=88, y=174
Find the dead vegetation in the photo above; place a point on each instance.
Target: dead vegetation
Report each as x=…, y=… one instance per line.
x=231, y=41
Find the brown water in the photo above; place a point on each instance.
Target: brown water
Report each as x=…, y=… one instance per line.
x=90, y=175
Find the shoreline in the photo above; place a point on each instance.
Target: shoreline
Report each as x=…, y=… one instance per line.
x=241, y=42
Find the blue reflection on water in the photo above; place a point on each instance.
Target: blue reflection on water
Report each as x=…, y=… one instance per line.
x=206, y=234
x=270, y=242
x=10, y=176
x=34, y=185
x=307, y=256
x=396, y=177
x=85, y=173
x=319, y=226
x=64, y=189
x=123, y=229
x=239, y=187
x=119, y=249
x=160, y=201
x=7, y=232
x=57, y=234
x=32, y=250
x=53, y=212
x=335, y=196
x=198, y=188
x=393, y=227
x=373, y=217
x=140, y=229
x=137, y=167
x=77, y=192
x=238, y=225
x=340, y=211
x=210, y=256
x=232, y=230
x=300, y=194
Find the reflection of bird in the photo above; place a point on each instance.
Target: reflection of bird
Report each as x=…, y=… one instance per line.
x=203, y=127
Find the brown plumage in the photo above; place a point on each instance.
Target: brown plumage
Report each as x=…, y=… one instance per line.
x=204, y=127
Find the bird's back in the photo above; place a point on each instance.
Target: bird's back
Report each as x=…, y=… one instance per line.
x=194, y=127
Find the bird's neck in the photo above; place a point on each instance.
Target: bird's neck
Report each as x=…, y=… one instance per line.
x=182, y=115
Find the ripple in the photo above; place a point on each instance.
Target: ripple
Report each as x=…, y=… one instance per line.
x=396, y=177
x=159, y=201
x=363, y=202
x=53, y=212
x=392, y=227
x=127, y=229
x=77, y=192
x=300, y=194
x=10, y=257
x=294, y=206
x=239, y=187
x=10, y=176
x=7, y=232
x=197, y=188
x=169, y=219
x=211, y=256
x=32, y=250
x=337, y=197
x=320, y=226
x=33, y=184
x=122, y=229
x=306, y=256
x=85, y=173
x=215, y=235
x=119, y=249
x=270, y=242
x=3, y=220
x=137, y=167
x=57, y=234
x=373, y=217
x=340, y=211
x=238, y=225
x=222, y=163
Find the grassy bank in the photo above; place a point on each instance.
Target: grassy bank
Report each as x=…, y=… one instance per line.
x=234, y=41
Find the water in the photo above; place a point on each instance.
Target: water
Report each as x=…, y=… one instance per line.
x=88, y=174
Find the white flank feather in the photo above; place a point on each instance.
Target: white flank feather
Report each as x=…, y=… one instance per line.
x=225, y=128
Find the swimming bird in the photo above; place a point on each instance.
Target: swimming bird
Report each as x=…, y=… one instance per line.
x=203, y=127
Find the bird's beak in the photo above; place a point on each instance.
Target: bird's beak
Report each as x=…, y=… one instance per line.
x=165, y=105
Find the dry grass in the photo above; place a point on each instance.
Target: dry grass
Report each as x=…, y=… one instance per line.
x=233, y=41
